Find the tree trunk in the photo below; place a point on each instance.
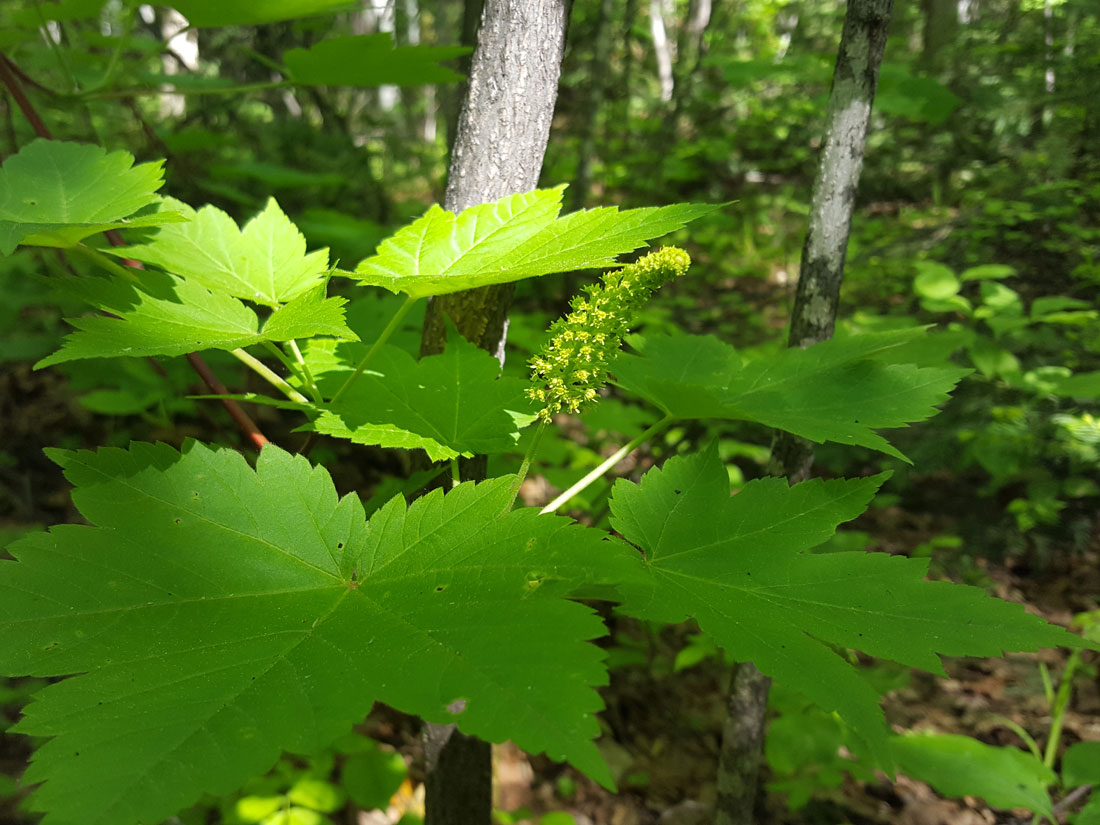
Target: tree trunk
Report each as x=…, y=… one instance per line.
x=689, y=57
x=498, y=150
x=621, y=131
x=662, y=48
x=813, y=318
x=597, y=83
x=941, y=21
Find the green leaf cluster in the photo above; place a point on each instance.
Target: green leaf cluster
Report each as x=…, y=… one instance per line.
x=281, y=614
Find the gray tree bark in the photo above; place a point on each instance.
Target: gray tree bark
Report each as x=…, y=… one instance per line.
x=813, y=319
x=498, y=149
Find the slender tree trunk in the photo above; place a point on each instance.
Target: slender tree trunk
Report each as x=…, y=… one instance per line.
x=622, y=130
x=597, y=84
x=689, y=57
x=941, y=21
x=662, y=48
x=498, y=150
x=813, y=318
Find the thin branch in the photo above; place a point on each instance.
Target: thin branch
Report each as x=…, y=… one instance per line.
x=11, y=82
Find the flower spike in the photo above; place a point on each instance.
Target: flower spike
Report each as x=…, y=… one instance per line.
x=572, y=366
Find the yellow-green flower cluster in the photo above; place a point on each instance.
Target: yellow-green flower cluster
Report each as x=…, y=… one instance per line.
x=573, y=364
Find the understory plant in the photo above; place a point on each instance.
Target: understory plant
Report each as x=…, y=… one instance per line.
x=216, y=612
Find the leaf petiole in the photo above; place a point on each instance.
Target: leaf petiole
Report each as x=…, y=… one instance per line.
x=387, y=333
x=103, y=261
x=526, y=465
x=307, y=376
x=269, y=375
x=608, y=463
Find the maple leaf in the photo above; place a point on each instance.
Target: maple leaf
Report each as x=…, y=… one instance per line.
x=160, y=314
x=451, y=404
x=265, y=262
x=519, y=236
x=218, y=615
x=840, y=390
x=54, y=193
x=740, y=566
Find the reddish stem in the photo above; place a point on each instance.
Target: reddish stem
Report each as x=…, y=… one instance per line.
x=247, y=425
x=8, y=78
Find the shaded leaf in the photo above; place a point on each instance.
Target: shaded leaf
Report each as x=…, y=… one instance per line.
x=961, y=766
x=371, y=60
x=219, y=616
x=1081, y=764
x=840, y=390
x=451, y=404
x=741, y=567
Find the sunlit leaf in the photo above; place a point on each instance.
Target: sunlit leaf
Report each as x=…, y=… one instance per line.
x=171, y=316
x=54, y=193
x=265, y=262
x=519, y=236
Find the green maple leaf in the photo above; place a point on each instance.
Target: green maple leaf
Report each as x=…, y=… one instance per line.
x=370, y=60
x=519, y=236
x=266, y=262
x=54, y=193
x=218, y=616
x=172, y=316
x=451, y=404
x=739, y=565
x=840, y=390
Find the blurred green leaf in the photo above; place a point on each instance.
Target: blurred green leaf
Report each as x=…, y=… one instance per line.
x=258, y=808
x=250, y=12
x=935, y=281
x=987, y=271
x=1081, y=764
x=961, y=766
x=372, y=777
x=371, y=60
x=317, y=794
